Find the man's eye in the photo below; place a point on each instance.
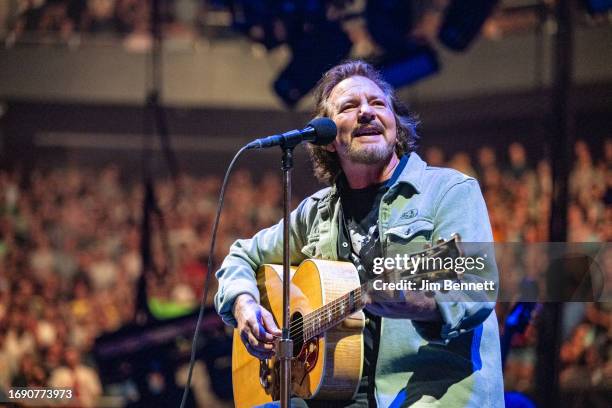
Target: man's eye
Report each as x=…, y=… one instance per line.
x=347, y=108
x=378, y=103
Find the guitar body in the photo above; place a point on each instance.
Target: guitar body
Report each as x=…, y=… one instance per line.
x=327, y=366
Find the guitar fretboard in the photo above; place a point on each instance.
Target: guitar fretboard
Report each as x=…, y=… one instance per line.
x=331, y=314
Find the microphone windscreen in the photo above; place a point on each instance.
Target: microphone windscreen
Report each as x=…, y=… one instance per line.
x=325, y=130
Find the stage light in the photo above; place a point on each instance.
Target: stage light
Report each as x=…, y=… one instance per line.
x=404, y=60
x=417, y=64
x=598, y=6
x=463, y=21
x=257, y=20
x=389, y=22
x=319, y=48
x=318, y=44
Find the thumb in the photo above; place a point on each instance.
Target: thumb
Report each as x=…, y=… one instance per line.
x=268, y=322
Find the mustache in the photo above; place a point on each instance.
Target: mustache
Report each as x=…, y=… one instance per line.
x=370, y=128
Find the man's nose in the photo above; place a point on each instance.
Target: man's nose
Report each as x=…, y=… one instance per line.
x=366, y=113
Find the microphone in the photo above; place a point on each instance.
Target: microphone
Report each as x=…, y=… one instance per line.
x=319, y=131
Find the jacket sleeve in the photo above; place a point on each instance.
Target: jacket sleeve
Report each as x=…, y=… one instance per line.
x=462, y=209
x=237, y=273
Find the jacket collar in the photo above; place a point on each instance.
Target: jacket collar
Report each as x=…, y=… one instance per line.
x=411, y=169
x=412, y=173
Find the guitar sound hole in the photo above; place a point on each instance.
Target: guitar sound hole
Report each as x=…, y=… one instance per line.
x=297, y=332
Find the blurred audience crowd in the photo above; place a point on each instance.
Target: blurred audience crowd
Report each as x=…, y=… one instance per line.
x=67, y=20
x=70, y=255
x=518, y=196
x=70, y=260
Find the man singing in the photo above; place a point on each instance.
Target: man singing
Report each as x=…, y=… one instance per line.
x=418, y=352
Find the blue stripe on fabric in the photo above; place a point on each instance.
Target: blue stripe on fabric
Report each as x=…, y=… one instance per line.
x=399, y=399
x=476, y=338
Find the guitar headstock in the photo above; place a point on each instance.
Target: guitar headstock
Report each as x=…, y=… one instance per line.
x=433, y=261
x=437, y=268
x=442, y=248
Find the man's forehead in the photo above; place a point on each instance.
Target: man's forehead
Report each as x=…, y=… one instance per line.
x=355, y=85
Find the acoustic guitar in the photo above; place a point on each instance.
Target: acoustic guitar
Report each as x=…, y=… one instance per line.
x=326, y=326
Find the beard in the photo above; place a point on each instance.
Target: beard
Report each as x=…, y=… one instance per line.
x=370, y=154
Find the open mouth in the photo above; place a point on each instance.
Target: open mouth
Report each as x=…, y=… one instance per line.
x=367, y=131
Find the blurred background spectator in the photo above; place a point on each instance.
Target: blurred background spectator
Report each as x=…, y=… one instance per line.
x=70, y=226
x=69, y=251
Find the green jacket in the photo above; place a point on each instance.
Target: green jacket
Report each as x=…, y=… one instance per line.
x=453, y=364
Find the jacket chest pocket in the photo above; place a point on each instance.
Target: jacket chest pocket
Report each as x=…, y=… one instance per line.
x=408, y=238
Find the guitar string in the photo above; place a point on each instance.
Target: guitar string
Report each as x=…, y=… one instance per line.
x=301, y=324
x=336, y=304
x=333, y=307
x=298, y=326
x=330, y=308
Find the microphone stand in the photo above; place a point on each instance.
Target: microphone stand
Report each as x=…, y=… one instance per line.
x=324, y=131
x=285, y=345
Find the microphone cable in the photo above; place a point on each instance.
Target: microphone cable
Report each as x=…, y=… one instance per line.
x=208, y=273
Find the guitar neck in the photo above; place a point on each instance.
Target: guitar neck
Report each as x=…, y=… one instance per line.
x=333, y=313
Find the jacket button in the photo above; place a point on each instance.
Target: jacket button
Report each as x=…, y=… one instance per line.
x=345, y=244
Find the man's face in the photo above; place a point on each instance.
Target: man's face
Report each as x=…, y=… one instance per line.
x=367, y=130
